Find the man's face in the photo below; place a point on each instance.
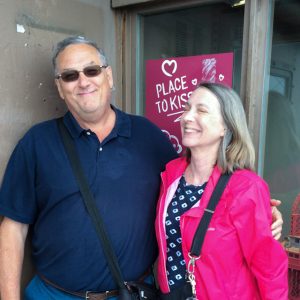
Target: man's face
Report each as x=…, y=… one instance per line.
x=87, y=98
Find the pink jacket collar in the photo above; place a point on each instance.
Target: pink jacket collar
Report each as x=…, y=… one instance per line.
x=176, y=168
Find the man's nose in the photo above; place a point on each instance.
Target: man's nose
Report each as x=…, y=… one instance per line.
x=82, y=79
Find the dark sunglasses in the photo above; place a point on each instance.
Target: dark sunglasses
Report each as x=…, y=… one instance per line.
x=73, y=75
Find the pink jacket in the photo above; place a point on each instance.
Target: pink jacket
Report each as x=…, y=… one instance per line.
x=240, y=260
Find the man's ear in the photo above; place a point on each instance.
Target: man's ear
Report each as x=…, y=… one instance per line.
x=57, y=83
x=109, y=77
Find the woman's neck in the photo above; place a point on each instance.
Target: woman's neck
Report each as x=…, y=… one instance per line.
x=200, y=168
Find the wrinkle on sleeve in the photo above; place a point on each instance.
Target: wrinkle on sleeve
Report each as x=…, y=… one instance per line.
x=251, y=216
x=17, y=193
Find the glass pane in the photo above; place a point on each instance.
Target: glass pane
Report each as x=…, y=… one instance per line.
x=282, y=149
x=205, y=29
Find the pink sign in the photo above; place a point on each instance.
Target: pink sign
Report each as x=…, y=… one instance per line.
x=170, y=82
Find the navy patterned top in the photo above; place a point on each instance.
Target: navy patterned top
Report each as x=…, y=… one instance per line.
x=185, y=197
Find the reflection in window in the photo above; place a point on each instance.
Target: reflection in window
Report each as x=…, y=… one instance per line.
x=282, y=147
x=203, y=29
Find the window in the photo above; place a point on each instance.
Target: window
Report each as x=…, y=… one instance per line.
x=282, y=146
x=193, y=31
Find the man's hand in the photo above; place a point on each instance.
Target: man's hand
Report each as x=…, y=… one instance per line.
x=277, y=220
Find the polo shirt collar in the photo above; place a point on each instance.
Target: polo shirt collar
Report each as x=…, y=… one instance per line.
x=123, y=123
x=122, y=126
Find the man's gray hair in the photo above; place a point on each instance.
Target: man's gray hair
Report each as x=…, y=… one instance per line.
x=73, y=40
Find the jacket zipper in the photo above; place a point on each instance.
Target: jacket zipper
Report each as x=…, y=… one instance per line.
x=162, y=232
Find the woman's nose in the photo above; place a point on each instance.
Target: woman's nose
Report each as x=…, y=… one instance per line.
x=188, y=115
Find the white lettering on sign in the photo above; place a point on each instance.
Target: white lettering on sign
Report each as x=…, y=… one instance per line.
x=172, y=86
x=172, y=103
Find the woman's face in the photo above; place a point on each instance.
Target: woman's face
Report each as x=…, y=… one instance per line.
x=202, y=125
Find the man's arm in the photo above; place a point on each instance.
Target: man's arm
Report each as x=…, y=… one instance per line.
x=277, y=220
x=12, y=241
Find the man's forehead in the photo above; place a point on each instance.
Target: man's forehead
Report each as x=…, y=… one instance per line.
x=77, y=53
x=79, y=48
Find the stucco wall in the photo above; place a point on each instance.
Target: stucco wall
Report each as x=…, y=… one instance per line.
x=29, y=29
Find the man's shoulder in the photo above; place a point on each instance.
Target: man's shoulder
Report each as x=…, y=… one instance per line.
x=150, y=136
x=44, y=125
x=140, y=124
x=143, y=124
x=39, y=131
x=138, y=119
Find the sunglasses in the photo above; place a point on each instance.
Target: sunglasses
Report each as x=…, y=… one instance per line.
x=73, y=75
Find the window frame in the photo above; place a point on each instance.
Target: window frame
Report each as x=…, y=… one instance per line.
x=256, y=57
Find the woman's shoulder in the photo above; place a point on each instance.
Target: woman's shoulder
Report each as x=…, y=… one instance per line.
x=246, y=182
x=246, y=176
x=175, y=168
x=177, y=162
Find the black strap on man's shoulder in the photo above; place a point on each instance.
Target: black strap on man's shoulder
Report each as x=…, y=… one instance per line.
x=90, y=203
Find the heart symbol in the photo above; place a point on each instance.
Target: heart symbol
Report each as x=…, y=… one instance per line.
x=221, y=77
x=169, y=64
x=194, y=81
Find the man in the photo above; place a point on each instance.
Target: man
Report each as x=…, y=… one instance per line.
x=122, y=157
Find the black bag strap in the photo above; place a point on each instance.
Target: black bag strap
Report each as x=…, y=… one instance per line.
x=207, y=215
x=90, y=204
x=92, y=209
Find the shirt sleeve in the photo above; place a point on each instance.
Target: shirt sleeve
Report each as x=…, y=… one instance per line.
x=266, y=258
x=166, y=149
x=17, y=192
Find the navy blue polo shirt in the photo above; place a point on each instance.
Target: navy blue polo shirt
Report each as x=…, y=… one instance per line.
x=39, y=188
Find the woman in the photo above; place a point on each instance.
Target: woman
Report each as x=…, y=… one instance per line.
x=239, y=259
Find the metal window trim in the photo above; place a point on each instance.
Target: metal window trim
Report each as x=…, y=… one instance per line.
x=257, y=41
x=123, y=3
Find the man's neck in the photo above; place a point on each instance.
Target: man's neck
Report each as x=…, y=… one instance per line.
x=101, y=125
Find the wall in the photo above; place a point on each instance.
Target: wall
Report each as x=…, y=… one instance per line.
x=27, y=88
x=29, y=29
